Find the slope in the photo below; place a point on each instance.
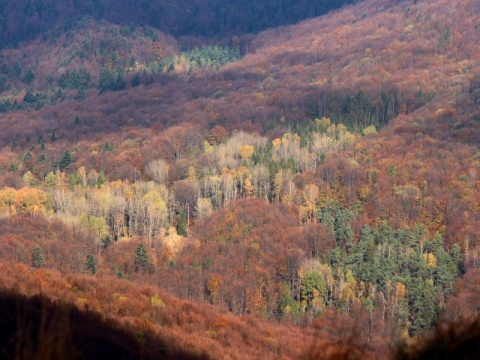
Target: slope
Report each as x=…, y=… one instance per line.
x=363, y=221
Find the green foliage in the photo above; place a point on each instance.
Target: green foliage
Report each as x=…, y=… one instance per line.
x=106, y=241
x=4, y=69
x=107, y=147
x=5, y=105
x=29, y=77
x=385, y=258
x=136, y=80
x=17, y=69
x=205, y=57
x=91, y=266
x=81, y=95
x=141, y=258
x=106, y=80
x=65, y=160
x=288, y=305
x=27, y=157
x=38, y=260
x=313, y=289
x=182, y=224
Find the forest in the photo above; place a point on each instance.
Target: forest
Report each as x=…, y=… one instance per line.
x=230, y=190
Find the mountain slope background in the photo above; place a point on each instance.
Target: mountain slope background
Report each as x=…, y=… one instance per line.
x=308, y=174
x=23, y=20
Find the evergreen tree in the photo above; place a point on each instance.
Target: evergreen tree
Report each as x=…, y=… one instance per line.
x=65, y=160
x=136, y=80
x=27, y=157
x=81, y=95
x=29, y=77
x=38, y=260
x=106, y=80
x=423, y=307
x=5, y=69
x=74, y=80
x=29, y=98
x=141, y=258
x=91, y=265
x=106, y=241
x=41, y=142
x=313, y=287
x=17, y=69
x=182, y=224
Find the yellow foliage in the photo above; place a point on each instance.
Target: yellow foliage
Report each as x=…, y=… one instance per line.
x=246, y=151
x=322, y=124
x=296, y=139
x=276, y=143
x=30, y=200
x=430, y=259
x=7, y=197
x=155, y=301
x=369, y=130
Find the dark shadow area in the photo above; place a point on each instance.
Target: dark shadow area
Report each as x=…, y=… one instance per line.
x=39, y=328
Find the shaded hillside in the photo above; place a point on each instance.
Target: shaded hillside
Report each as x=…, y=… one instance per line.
x=23, y=20
x=142, y=321
x=71, y=59
x=38, y=328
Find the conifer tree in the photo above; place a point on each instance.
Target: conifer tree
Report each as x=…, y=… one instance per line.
x=91, y=266
x=182, y=224
x=141, y=258
x=38, y=260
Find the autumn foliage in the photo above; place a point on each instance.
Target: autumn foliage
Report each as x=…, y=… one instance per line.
x=314, y=198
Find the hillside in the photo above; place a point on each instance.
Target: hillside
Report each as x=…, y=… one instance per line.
x=315, y=177
x=94, y=316
x=24, y=19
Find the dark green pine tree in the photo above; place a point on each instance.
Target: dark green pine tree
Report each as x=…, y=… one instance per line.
x=29, y=77
x=27, y=157
x=38, y=260
x=136, y=81
x=65, y=160
x=182, y=224
x=81, y=95
x=141, y=258
x=17, y=69
x=41, y=142
x=423, y=307
x=106, y=80
x=91, y=266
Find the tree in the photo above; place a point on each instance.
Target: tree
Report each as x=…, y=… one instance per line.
x=313, y=289
x=17, y=69
x=157, y=170
x=65, y=160
x=81, y=95
x=182, y=224
x=106, y=80
x=91, y=265
x=136, y=81
x=38, y=260
x=141, y=258
x=29, y=77
x=217, y=135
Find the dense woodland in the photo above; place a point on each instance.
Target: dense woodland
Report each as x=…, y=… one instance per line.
x=187, y=19
x=314, y=184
